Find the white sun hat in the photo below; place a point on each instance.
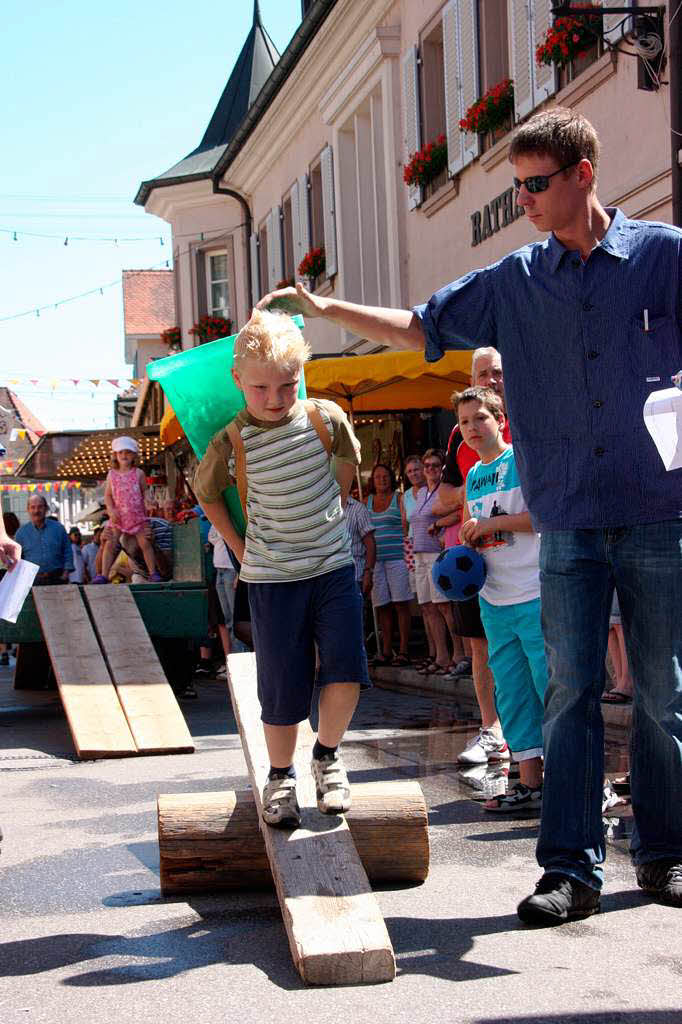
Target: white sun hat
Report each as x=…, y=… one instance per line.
x=125, y=444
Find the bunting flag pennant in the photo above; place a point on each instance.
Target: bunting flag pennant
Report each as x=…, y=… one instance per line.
x=112, y=380
x=95, y=381
x=76, y=380
x=35, y=383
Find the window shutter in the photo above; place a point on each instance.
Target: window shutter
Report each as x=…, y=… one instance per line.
x=328, y=210
x=544, y=76
x=275, y=247
x=521, y=58
x=296, y=227
x=202, y=294
x=412, y=118
x=468, y=73
x=452, y=106
x=255, y=274
x=615, y=25
x=304, y=215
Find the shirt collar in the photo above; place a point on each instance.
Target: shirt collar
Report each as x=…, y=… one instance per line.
x=614, y=241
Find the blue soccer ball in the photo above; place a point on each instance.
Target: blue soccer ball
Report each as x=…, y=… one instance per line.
x=459, y=572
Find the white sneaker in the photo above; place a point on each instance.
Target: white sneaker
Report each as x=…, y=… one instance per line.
x=485, y=747
x=331, y=783
x=280, y=806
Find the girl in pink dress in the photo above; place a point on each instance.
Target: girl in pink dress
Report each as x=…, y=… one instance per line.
x=124, y=499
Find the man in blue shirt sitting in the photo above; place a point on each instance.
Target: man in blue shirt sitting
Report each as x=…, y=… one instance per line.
x=588, y=324
x=45, y=542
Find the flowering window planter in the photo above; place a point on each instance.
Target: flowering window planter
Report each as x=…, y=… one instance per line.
x=172, y=337
x=209, y=328
x=427, y=164
x=491, y=116
x=313, y=266
x=571, y=39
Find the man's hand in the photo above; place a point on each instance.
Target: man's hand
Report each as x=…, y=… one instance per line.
x=292, y=301
x=10, y=553
x=475, y=529
x=367, y=582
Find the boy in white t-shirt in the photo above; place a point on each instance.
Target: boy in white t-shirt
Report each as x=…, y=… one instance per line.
x=497, y=522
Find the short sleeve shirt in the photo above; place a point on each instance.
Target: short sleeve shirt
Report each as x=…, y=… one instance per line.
x=295, y=528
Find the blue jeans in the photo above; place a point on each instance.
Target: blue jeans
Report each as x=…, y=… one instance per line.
x=578, y=571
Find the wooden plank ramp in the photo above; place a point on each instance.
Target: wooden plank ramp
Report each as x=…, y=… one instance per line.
x=153, y=714
x=337, y=935
x=92, y=707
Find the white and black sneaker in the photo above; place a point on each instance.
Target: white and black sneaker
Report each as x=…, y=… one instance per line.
x=519, y=799
x=331, y=783
x=280, y=804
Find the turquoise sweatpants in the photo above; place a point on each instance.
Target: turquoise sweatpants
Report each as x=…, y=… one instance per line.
x=516, y=655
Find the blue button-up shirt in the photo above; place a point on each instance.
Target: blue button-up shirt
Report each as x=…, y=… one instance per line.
x=50, y=547
x=578, y=366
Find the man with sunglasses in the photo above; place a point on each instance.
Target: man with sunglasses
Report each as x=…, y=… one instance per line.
x=588, y=324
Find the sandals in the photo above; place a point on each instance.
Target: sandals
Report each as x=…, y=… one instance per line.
x=434, y=669
x=401, y=661
x=380, y=661
x=616, y=697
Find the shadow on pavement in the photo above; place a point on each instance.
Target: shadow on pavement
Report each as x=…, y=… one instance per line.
x=249, y=935
x=436, y=946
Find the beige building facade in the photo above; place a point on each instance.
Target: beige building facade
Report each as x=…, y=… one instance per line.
x=318, y=158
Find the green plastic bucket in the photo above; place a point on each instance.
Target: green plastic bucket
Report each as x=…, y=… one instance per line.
x=198, y=384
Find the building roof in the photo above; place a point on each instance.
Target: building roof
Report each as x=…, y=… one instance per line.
x=148, y=301
x=15, y=416
x=249, y=74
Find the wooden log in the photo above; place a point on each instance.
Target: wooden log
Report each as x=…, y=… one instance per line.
x=210, y=842
x=336, y=933
x=93, y=710
x=152, y=712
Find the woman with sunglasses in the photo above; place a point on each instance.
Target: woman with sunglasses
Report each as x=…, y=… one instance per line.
x=434, y=606
x=391, y=581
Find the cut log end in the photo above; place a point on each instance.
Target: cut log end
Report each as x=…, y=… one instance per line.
x=211, y=842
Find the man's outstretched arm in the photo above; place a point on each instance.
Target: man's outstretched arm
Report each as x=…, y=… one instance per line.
x=398, y=328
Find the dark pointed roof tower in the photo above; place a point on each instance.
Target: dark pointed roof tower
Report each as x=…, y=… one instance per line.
x=249, y=74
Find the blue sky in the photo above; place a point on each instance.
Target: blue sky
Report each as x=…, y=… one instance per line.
x=97, y=98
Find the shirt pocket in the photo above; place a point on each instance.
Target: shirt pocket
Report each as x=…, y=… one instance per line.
x=543, y=469
x=657, y=352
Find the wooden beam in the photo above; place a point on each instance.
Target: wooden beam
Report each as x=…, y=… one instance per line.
x=336, y=933
x=155, y=719
x=93, y=710
x=209, y=842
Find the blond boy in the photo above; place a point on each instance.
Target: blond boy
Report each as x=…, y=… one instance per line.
x=298, y=461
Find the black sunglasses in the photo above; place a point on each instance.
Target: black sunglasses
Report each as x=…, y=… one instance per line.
x=540, y=182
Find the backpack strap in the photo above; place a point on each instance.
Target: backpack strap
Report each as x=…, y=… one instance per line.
x=235, y=437
x=240, y=462
x=319, y=425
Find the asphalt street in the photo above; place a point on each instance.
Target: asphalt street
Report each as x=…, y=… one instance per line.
x=86, y=934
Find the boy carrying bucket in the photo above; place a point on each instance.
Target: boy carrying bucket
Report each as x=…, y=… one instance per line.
x=295, y=556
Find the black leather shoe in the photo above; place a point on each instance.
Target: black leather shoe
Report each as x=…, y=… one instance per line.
x=558, y=898
x=663, y=879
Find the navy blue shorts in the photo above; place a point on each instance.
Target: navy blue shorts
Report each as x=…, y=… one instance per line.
x=288, y=620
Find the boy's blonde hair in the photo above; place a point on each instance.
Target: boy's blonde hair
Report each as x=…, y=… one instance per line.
x=271, y=338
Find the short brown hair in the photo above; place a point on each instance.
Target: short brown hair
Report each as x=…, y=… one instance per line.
x=434, y=452
x=561, y=133
x=486, y=397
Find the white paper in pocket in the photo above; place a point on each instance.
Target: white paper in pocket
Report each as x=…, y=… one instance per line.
x=663, y=419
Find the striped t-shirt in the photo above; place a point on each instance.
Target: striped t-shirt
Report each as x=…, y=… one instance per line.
x=295, y=528
x=388, y=530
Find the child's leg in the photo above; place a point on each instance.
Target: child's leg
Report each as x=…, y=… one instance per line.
x=337, y=622
x=385, y=617
x=110, y=549
x=518, y=702
x=147, y=549
x=614, y=652
x=623, y=679
x=281, y=743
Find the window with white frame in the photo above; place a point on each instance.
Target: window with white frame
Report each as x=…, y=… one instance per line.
x=288, y=239
x=493, y=43
x=316, y=211
x=217, y=284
